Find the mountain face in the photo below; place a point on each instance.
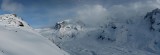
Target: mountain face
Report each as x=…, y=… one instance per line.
x=18, y=38
x=67, y=28
x=153, y=18
x=132, y=37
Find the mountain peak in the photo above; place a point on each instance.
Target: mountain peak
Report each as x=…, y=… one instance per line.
x=157, y=10
x=69, y=24
x=12, y=20
x=154, y=12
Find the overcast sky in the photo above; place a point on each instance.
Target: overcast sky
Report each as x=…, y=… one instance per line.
x=42, y=13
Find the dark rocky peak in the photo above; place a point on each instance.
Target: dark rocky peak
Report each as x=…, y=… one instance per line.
x=154, y=19
x=154, y=12
x=157, y=10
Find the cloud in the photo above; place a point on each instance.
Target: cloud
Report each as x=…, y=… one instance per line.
x=96, y=14
x=155, y=3
x=89, y=11
x=92, y=14
x=133, y=11
x=11, y=6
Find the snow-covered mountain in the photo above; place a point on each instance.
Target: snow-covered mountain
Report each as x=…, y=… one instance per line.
x=135, y=36
x=12, y=20
x=18, y=38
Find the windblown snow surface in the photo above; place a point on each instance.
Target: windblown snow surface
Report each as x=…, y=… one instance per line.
x=136, y=36
x=18, y=38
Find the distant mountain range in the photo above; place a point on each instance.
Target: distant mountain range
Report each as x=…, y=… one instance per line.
x=140, y=36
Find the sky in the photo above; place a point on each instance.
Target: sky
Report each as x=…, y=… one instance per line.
x=45, y=13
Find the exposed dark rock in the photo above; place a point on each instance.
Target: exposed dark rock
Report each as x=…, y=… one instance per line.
x=21, y=24
x=153, y=20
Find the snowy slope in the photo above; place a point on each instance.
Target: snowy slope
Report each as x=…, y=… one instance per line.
x=135, y=36
x=18, y=38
